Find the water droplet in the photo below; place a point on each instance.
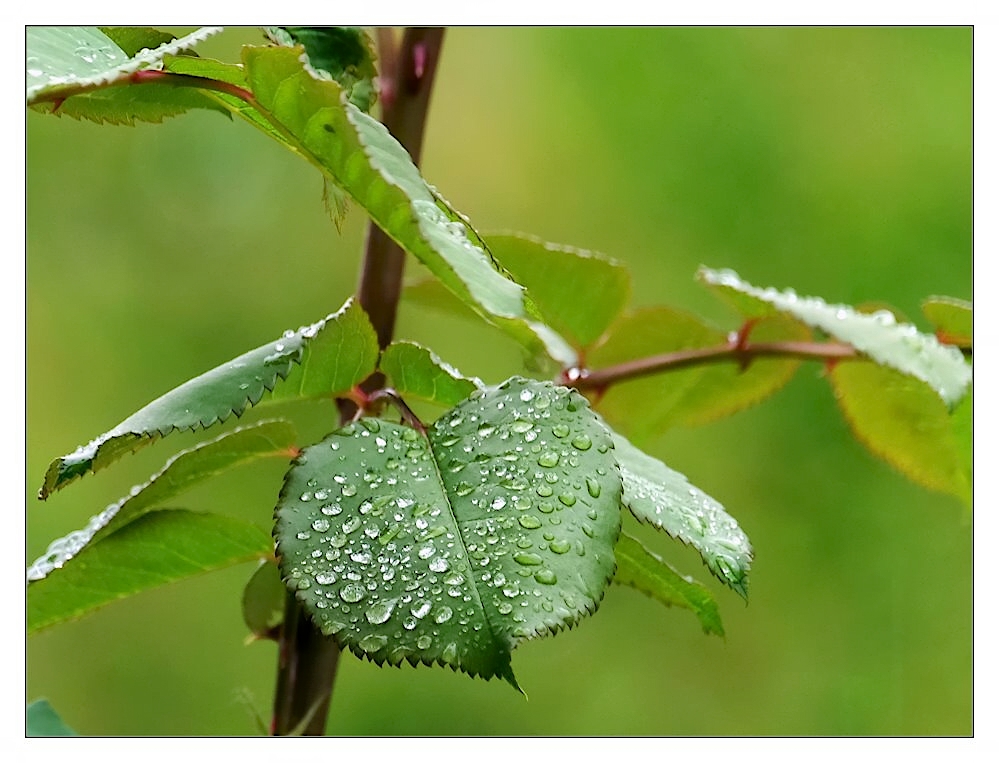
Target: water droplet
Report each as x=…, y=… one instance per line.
x=450, y=652
x=560, y=430
x=325, y=578
x=546, y=577
x=582, y=442
x=352, y=592
x=321, y=525
x=526, y=395
x=527, y=559
x=424, y=642
x=567, y=499
x=559, y=546
x=545, y=491
x=348, y=490
x=303, y=535
x=380, y=611
x=443, y=614
x=548, y=459
x=439, y=564
x=593, y=487
x=529, y=522
x=504, y=608
x=373, y=642
x=350, y=525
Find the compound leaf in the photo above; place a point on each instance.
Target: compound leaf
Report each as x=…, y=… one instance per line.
x=900, y=419
x=413, y=370
x=266, y=439
x=452, y=547
x=896, y=345
x=647, y=572
x=345, y=353
x=663, y=498
x=157, y=548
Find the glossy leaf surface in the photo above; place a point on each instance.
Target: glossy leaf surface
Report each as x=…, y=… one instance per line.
x=665, y=499
x=903, y=421
x=496, y=527
x=345, y=354
x=158, y=548
x=645, y=571
x=413, y=370
x=578, y=292
x=647, y=406
x=879, y=336
x=359, y=154
x=268, y=439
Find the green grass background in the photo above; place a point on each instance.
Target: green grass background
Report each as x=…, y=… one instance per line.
x=836, y=161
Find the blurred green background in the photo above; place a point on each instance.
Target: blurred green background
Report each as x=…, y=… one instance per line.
x=836, y=161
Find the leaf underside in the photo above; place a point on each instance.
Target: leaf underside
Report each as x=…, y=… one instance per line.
x=895, y=345
x=496, y=527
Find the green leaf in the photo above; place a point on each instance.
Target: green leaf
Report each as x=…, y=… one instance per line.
x=41, y=720
x=879, y=336
x=345, y=353
x=70, y=65
x=267, y=439
x=645, y=571
x=690, y=396
x=413, y=370
x=343, y=54
x=263, y=600
x=900, y=419
x=663, y=498
x=359, y=154
x=951, y=318
x=579, y=293
x=157, y=548
x=133, y=39
x=496, y=527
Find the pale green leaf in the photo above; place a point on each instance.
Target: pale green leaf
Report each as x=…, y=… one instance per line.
x=901, y=420
x=348, y=355
x=413, y=370
x=264, y=599
x=452, y=547
x=266, y=439
x=579, y=293
x=663, y=498
x=645, y=571
x=41, y=720
x=896, y=345
x=158, y=548
x=952, y=319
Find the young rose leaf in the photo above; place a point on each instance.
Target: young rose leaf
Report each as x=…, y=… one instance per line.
x=951, y=318
x=647, y=572
x=896, y=345
x=690, y=396
x=663, y=498
x=323, y=359
x=263, y=600
x=900, y=419
x=74, y=68
x=157, y=548
x=413, y=370
x=579, y=293
x=358, y=153
x=41, y=720
x=452, y=547
x=266, y=439
x=344, y=54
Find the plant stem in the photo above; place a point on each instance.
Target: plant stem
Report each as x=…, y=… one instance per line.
x=736, y=350
x=307, y=660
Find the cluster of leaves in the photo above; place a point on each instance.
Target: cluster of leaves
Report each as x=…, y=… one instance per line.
x=451, y=542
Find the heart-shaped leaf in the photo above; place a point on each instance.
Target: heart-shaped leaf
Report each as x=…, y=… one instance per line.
x=452, y=547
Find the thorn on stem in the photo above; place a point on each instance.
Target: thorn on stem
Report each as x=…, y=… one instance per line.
x=740, y=343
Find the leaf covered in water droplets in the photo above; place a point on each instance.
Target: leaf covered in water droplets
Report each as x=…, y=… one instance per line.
x=663, y=498
x=497, y=526
x=878, y=336
x=319, y=360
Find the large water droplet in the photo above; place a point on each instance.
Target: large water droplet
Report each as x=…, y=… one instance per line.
x=443, y=614
x=373, y=642
x=548, y=459
x=321, y=525
x=559, y=546
x=582, y=442
x=529, y=522
x=593, y=487
x=528, y=559
x=380, y=611
x=546, y=577
x=450, y=652
x=567, y=499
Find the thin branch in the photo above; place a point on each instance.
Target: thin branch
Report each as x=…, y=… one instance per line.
x=737, y=351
